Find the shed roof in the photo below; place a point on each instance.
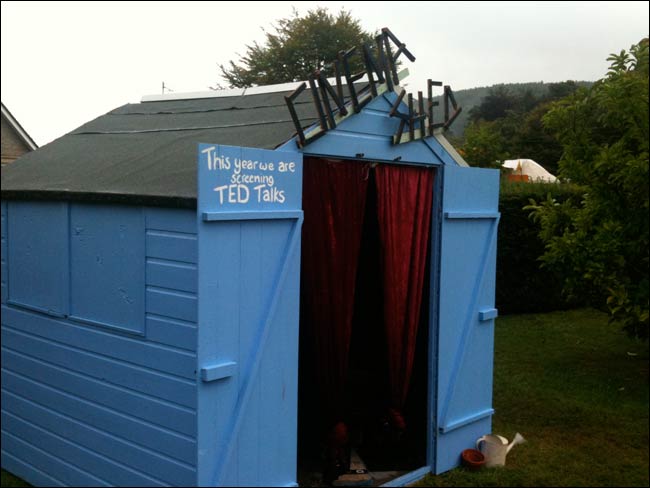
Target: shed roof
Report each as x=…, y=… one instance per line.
x=146, y=151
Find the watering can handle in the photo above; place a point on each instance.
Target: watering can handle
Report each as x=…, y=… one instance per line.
x=478, y=442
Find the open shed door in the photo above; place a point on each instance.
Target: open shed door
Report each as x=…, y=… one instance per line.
x=466, y=311
x=249, y=221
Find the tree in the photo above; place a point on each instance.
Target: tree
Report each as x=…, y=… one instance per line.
x=298, y=46
x=557, y=91
x=517, y=133
x=484, y=145
x=533, y=140
x=602, y=241
x=495, y=105
x=506, y=125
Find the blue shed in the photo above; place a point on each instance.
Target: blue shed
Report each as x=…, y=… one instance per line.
x=153, y=330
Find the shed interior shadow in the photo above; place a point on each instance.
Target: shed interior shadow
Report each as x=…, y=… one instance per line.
x=367, y=392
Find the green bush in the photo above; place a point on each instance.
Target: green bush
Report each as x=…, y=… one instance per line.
x=522, y=286
x=602, y=243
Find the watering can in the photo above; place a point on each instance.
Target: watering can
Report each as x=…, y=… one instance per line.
x=495, y=448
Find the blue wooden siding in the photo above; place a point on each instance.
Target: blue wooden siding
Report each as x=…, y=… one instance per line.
x=248, y=420
x=171, y=279
x=249, y=288
x=368, y=135
x=107, y=396
x=5, y=272
x=107, y=269
x=466, y=311
x=39, y=253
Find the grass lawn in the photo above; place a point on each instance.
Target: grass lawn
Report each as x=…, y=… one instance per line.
x=577, y=389
x=10, y=480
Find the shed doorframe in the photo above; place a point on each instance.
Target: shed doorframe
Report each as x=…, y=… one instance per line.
x=434, y=294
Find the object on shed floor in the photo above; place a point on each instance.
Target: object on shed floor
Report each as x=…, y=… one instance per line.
x=358, y=474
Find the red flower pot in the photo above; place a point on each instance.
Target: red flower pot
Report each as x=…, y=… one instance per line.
x=472, y=459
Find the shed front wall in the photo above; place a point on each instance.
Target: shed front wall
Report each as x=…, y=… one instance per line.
x=99, y=330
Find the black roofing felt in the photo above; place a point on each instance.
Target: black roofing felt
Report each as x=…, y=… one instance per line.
x=146, y=152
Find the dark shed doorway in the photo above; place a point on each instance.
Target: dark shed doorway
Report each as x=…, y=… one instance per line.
x=354, y=397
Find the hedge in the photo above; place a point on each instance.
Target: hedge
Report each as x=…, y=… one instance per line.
x=522, y=286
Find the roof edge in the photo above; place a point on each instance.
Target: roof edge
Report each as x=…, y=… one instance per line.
x=235, y=92
x=439, y=135
x=22, y=133
x=113, y=198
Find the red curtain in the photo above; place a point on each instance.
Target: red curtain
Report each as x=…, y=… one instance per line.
x=404, y=201
x=334, y=198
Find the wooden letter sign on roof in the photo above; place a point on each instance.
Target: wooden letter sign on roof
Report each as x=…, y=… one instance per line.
x=381, y=76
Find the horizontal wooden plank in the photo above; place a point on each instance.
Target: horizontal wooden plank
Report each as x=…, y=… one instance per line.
x=252, y=215
x=462, y=422
x=215, y=372
x=172, y=274
x=173, y=417
x=67, y=473
x=137, y=330
x=127, y=453
x=35, y=308
x=114, y=473
x=172, y=332
x=488, y=314
x=371, y=121
x=472, y=215
x=171, y=219
x=175, y=247
x=172, y=304
x=374, y=148
x=132, y=350
x=409, y=478
x=102, y=418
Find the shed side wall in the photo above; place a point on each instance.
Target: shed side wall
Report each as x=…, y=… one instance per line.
x=101, y=389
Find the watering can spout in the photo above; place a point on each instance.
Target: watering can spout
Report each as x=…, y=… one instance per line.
x=519, y=439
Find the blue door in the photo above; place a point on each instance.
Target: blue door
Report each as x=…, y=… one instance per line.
x=249, y=215
x=466, y=311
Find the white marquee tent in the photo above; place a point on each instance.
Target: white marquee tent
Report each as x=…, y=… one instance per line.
x=528, y=167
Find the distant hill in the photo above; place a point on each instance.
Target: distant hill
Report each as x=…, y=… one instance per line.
x=471, y=97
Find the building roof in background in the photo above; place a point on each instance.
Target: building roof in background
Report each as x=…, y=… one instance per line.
x=22, y=133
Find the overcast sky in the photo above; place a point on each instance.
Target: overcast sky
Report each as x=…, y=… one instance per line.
x=64, y=64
